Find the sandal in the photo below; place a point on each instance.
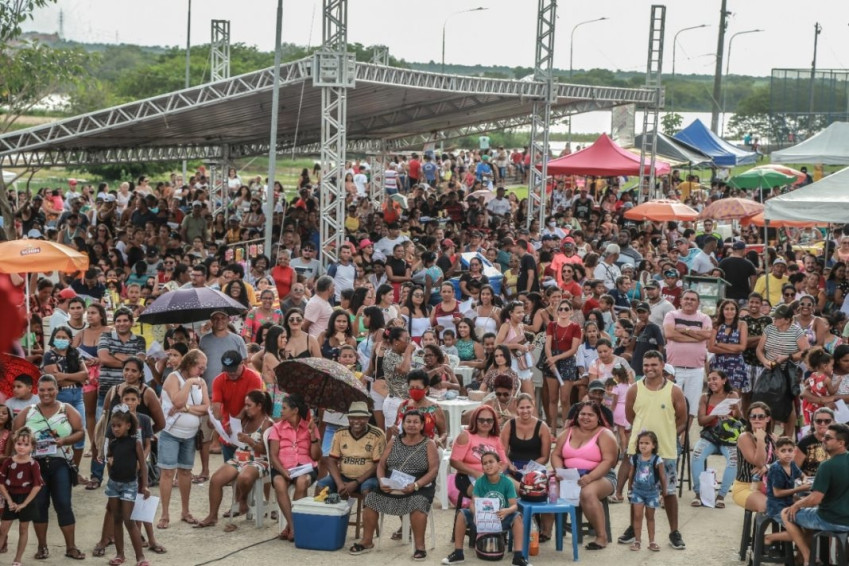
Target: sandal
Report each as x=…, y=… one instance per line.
x=229, y=528
x=284, y=534
x=720, y=503
x=419, y=555
x=544, y=537
x=204, y=524
x=615, y=499
x=594, y=546
x=92, y=485
x=654, y=547
x=74, y=553
x=143, y=562
x=358, y=548
x=163, y=523
x=99, y=550
x=43, y=553
x=396, y=535
x=199, y=479
x=232, y=515
x=117, y=561
x=696, y=502
x=635, y=545
x=157, y=548
x=189, y=519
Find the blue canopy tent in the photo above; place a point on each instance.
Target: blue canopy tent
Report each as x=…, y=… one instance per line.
x=723, y=153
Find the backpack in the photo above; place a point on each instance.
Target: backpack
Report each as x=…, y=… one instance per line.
x=777, y=387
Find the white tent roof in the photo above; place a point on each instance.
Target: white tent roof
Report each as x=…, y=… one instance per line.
x=826, y=200
x=829, y=147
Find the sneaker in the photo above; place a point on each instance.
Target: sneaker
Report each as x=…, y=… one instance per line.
x=676, y=541
x=628, y=536
x=520, y=561
x=456, y=557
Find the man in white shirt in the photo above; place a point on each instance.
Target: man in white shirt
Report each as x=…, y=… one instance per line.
x=343, y=272
x=307, y=265
x=384, y=246
x=499, y=206
x=361, y=180
x=60, y=316
x=658, y=305
x=607, y=271
x=318, y=311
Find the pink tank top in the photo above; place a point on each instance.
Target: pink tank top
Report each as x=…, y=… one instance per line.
x=587, y=457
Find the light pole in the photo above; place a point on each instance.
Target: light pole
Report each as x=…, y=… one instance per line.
x=445, y=23
x=571, y=52
x=675, y=42
x=727, y=66
x=188, y=66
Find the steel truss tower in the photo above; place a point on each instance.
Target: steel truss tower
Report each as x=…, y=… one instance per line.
x=541, y=114
x=219, y=51
x=651, y=111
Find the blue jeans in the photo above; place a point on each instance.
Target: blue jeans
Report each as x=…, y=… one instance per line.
x=97, y=467
x=367, y=486
x=56, y=474
x=701, y=451
x=73, y=396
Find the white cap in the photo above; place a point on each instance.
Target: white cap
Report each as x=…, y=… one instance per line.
x=34, y=233
x=197, y=203
x=668, y=368
x=109, y=198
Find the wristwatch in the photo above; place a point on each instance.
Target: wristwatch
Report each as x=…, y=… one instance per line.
x=416, y=486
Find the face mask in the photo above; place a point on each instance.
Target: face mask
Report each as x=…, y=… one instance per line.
x=61, y=343
x=417, y=394
x=155, y=210
x=552, y=224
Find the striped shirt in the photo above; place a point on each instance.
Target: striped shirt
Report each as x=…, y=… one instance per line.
x=110, y=342
x=780, y=343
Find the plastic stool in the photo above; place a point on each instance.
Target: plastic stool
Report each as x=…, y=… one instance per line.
x=559, y=509
x=842, y=539
x=762, y=523
x=580, y=519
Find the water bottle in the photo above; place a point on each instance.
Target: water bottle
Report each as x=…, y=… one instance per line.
x=553, y=489
x=533, y=546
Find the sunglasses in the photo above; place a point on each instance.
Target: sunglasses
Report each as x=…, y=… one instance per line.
x=296, y=319
x=500, y=395
x=823, y=421
x=564, y=309
x=757, y=417
x=486, y=421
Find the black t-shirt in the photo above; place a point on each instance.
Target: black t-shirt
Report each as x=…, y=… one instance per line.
x=526, y=265
x=651, y=338
x=814, y=454
x=125, y=460
x=737, y=271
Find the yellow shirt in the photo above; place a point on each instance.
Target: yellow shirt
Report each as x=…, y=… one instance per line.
x=655, y=411
x=775, y=285
x=686, y=187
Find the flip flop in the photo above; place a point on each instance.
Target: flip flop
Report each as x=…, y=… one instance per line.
x=231, y=527
x=157, y=548
x=203, y=524
x=231, y=515
x=189, y=519
x=357, y=549
x=98, y=551
x=163, y=523
x=199, y=479
x=635, y=546
x=696, y=502
x=594, y=546
x=43, y=553
x=284, y=534
x=654, y=547
x=117, y=561
x=92, y=485
x=74, y=554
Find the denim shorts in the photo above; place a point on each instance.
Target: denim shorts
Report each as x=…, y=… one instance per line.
x=175, y=452
x=809, y=518
x=125, y=491
x=74, y=397
x=650, y=499
x=327, y=440
x=370, y=484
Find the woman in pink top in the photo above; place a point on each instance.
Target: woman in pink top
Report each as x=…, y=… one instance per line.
x=293, y=441
x=482, y=436
x=586, y=445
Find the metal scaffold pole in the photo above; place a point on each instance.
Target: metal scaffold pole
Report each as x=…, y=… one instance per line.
x=541, y=117
x=651, y=112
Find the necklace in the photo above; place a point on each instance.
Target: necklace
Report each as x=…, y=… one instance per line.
x=653, y=387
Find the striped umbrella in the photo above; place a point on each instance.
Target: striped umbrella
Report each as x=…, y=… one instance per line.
x=789, y=171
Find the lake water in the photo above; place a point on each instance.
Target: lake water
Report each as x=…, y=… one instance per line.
x=600, y=122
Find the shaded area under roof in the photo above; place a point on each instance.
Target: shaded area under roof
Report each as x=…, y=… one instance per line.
x=388, y=108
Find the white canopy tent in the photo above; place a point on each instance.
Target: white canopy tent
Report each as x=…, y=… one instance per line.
x=829, y=147
x=827, y=200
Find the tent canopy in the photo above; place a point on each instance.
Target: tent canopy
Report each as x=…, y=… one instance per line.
x=723, y=153
x=675, y=151
x=829, y=147
x=826, y=200
x=603, y=159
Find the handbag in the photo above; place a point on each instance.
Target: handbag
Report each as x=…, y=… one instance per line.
x=777, y=387
x=74, y=471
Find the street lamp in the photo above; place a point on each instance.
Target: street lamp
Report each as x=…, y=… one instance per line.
x=445, y=23
x=571, y=52
x=572, y=39
x=675, y=42
x=727, y=66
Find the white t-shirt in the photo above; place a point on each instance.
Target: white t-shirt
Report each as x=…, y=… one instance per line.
x=607, y=274
x=385, y=245
x=499, y=206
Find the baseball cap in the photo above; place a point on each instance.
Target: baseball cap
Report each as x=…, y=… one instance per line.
x=597, y=385
x=448, y=243
x=231, y=359
x=73, y=182
x=568, y=240
x=547, y=238
x=671, y=273
x=152, y=251
x=197, y=203
x=365, y=242
x=779, y=260
x=109, y=198
x=34, y=234
x=738, y=246
x=652, y=284
x=668, y=368
x=642, y=306
x=681, y=241
x=67, y=293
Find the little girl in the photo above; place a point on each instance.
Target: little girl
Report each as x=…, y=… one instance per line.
x=20, y=482
x=125, y=458
x=818, y=385
x=646, y=473
x=623, y=427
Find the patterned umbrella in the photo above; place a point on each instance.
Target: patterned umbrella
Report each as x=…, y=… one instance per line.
x=661, y=210
x=758, y=220
x=322, y=383
x=731, y=209
x=189, y=305
x=13, y=366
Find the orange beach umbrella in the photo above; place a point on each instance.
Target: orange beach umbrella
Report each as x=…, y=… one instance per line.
x=33, y=256
x=661, y=210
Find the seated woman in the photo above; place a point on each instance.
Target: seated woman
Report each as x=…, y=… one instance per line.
x=810, y=452
x=755, y=453
x=414, y=454
x=294, y=441
x=250, y=463
x=469, y=446
x=440, y=375
x=719, y=389
x=588, y=446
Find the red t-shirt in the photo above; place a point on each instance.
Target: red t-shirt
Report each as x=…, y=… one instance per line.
x=589, y=305
x=283, y=279
x=231, y=392
x=672, y=294
x=415, y=169
x=561, y=337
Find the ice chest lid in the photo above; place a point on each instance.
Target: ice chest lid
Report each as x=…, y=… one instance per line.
x=308, y=506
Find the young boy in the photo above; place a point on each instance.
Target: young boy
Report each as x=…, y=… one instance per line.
x=492, y=484
x=448, y=341
x=22, y=395
x=781, y=485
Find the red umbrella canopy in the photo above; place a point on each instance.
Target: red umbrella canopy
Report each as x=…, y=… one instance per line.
x=603, y=159
x=13, y=366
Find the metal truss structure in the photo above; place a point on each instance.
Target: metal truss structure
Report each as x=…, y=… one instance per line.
x=541, y=113
x=219, y=51
x=651, y=112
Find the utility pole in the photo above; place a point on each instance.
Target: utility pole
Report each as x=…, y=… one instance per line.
x=817, y=32
x=717, y=74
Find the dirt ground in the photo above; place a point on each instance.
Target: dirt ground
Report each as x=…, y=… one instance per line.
x=712, y=537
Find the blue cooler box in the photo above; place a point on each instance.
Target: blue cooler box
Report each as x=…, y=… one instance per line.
x=495, y=277
x=319, y=525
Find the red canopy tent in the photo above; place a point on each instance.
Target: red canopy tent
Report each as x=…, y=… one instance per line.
x=603, y=159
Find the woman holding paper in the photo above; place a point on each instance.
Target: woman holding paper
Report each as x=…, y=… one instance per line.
x=589, y=447
x=185, y=399
x=410, y=459
x=469, y=446
x=294, y=446
x=713, y=411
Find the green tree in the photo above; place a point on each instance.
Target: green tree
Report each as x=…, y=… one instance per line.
x=670, y=123
x=752, y=116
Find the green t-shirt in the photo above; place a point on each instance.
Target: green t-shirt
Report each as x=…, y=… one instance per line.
x=832, y=480
x=504, y=490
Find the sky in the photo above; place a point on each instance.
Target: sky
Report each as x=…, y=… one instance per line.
x=503, y=34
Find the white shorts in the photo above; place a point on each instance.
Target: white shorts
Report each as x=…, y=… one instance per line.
x=390, y=410
x=692, y=381
x=523, y=374
x=378, y=399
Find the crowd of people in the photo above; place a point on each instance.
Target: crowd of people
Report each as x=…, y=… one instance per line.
x=449, y=291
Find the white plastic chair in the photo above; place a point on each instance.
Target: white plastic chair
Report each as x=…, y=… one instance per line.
x=442, y=477
x=256, y=499
x=406, y=530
